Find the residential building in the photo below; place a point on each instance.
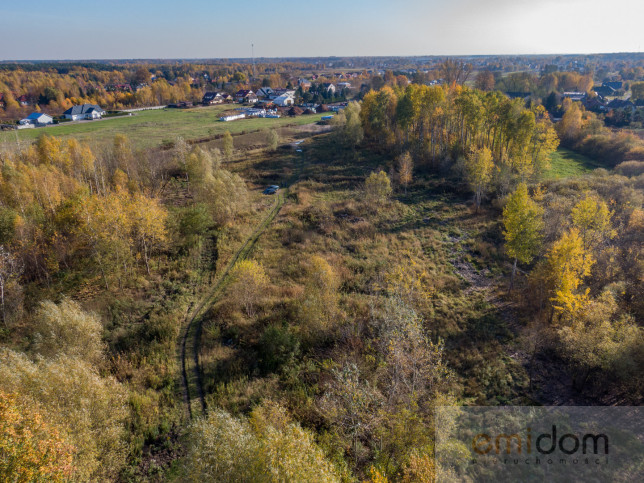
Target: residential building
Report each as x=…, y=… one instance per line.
x=210, y=98
x=84, y=111
x=245, y=95
x=37, y=119
x=264, y=92
x=329, y=87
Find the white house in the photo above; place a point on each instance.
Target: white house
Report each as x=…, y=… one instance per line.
x=329, y=87
x=85, y=111
x=284, y=100
x=37, y=119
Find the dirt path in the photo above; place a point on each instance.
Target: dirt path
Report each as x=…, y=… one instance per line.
x=191, y=374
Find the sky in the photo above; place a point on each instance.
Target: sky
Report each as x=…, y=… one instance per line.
x=170, y=29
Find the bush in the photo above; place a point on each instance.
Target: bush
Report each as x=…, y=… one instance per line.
x=277, y=346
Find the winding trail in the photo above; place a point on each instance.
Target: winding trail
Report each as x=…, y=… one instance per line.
x=191, y=374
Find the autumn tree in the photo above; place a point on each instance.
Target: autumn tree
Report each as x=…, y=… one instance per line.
x=272, y=139
x=479, y=169
x=148, y=226
x=523, y=222
x=31, y=447
x=485, y=80
x=378, y=186
x=601, y=339
x=637, y=91
x=319, y=307
x=65, y=328
x=569, y=128
x=454, y=71
x=228, y=145
x=405, y=169
x=89, y=409
x=593, y=219
x=569, y=263
x=226, y=195
x=250, y=282
x=349, y=126
x=10, y=270
x=267, y=447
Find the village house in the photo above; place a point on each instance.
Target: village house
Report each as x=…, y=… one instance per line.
x=329, y=87
x=245, y=95
x=225, y=97
x=264, y=92
x=23, y=100
x=37, y=119
x=210, y=98
x=575, y=96
x=84, y=111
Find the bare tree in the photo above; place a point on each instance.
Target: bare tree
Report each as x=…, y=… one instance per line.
x=455, y=71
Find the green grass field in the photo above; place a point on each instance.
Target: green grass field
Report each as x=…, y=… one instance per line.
x=565, y=163
x=148, y=129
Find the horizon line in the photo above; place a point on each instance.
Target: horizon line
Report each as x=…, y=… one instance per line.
x=109, y=59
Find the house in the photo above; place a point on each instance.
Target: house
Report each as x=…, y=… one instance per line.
x=575, y=96
x=344, y=85
x=621, y=104
x=615, y=85
x=210, y=98
x=225, y=97
x=264, y=92
x=37, y=119
x=284, y=100
x=245, y=95
x=329, y=87
x=604, y=90
x=597, y=103
x=304, y=84
x=23, y=100
x=85, y=111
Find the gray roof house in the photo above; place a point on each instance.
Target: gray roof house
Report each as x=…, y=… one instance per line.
x=85, y=111
x=37, y=119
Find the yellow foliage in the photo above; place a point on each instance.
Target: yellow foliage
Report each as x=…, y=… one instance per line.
x=569, y=263
x=249, y=284
x=31, y=449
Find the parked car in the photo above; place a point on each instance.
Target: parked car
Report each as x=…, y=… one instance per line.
x=271, y=190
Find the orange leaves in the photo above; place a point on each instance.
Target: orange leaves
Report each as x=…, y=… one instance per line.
x=30, y=448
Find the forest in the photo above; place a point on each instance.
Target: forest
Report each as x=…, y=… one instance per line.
x=162, y=320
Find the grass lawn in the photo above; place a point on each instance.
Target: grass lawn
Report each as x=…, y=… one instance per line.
x=565, y=163
x=148, y=129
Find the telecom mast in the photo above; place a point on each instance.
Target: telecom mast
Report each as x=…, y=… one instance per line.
x=252, y=57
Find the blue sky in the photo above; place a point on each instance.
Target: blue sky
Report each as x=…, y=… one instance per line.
x=73, y=29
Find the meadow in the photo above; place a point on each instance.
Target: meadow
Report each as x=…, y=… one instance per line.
x=149, y=129
x=565, y=163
